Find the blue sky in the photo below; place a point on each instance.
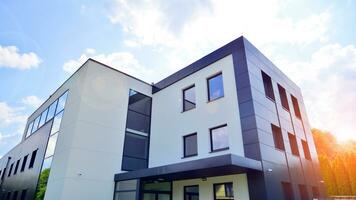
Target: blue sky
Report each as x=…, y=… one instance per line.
x=43, y=42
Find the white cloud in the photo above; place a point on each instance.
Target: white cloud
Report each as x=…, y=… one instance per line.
x=10, y=115
x=32, y=101
x=327, y=81
x=123, y=61
x=11, y=58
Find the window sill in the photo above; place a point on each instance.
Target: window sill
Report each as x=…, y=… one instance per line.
x=218, y=150
x=212, y=100
x=183, y=111
x=189, y=156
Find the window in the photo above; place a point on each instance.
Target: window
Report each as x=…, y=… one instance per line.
x=61, y=102
x=24, y=163
x=306, y=150
x=23, y=194
x=136, y=146
x=35, y=124
x=267, y=83
x=277, y=137
x=315, y=191
x=14, y=196
x=33, y=157
x=191, y=192
x=51, y=146
x=283, y=96
x=29, y=129
x=223, y=191
x=293, y=144
x=296, y=107
x=51, y=111
x=215, y=87
x=190, y=145
x=303, y=192
x=287, y=191
x=43, y=118
x=56, y=123
x=17, y=166
x=219, y=138
x=3, y=174
x=8, y=196
x=189, y=98
x=12, y=166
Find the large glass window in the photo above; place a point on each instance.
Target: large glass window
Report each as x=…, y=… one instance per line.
x=189, y=98
x=215, y=87
x=135, y=155
x=51, y=110
x=43, y=118
x=219, y=138
x=296, y=107
x=283, y=96
x=190, y=145
x=277, y=137
x=35, y=124
x=293, y=144
x=29, y=129
x=223, y=191
x=267, y=83
x=56, y=123
x=51, y=145
x=191, y=192
x=61, y=102
x=287, y=191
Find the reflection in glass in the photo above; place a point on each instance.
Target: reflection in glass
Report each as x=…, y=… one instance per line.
x=215, y=87
x=51, y=145
x=35, y=124
x=189, y=98
x=43, y=118
x=223, y=191
x=61, y=102
x=51, y=111
x=219, y=138
x=190, y=145
x=29, y=129
x=56, y=123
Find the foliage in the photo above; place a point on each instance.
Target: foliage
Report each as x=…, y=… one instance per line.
x=337, y=163
x=42, y=184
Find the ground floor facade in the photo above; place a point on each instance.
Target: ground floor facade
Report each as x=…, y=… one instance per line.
x=208, y=188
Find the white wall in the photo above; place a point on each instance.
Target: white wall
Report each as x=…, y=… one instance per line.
x=90, y=143
x=206, y=191
x=169, y=124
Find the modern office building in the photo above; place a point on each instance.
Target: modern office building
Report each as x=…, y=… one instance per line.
x=229, y=126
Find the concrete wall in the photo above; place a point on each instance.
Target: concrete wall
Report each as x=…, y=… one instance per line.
x=170, y=124
x=90, y=143
x=206, y=188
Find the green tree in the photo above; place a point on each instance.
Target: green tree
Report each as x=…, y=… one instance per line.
x=42, y=184
x=328, y=175
x=341, y=176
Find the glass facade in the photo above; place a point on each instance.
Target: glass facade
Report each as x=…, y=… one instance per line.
x=56, y=113
x=135, y=154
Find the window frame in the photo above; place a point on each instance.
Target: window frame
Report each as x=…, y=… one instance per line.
x=276, y=138
x=208, y=85
x=296, y=107
x=267, y=81
x=183, y=94
x=224, y=183
x=293, y=144
x=212, y=150
x=283, y=97
x=184, y=142
x=187, y=186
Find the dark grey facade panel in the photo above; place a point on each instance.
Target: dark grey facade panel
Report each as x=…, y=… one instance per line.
x=29, y=177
